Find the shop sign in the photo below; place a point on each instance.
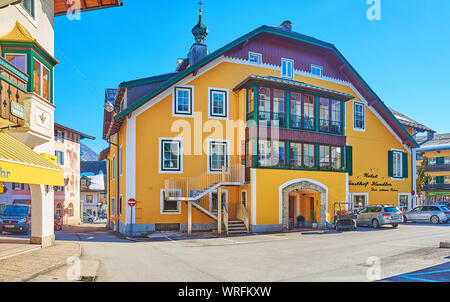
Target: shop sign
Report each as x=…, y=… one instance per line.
x=4, y=174
x=17, y=110
x=372, y=181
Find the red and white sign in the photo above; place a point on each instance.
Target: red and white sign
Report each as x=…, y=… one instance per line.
x=131, y=202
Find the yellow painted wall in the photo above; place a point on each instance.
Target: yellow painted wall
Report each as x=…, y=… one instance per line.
x=370, y=150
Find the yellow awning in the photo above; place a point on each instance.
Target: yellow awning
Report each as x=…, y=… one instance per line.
x=20, y=164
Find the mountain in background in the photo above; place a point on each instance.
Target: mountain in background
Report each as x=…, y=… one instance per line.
x=87, y=154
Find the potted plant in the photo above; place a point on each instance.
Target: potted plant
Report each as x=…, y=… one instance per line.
x=301, y=221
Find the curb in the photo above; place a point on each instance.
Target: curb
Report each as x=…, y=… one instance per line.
x=52, y=268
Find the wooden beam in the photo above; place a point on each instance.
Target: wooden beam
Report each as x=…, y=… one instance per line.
x=189, y=218
x=219, y=210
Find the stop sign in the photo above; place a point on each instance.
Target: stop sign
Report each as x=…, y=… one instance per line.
x=131, y=202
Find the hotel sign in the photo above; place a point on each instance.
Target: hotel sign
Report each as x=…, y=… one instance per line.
x=371, y=180
x=17, y=110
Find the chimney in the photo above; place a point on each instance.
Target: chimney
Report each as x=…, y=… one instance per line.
x=286, y=25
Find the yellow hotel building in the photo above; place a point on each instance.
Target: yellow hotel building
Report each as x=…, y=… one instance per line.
x=272, y=126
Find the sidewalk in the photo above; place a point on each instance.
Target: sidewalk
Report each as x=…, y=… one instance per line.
x=27, y=266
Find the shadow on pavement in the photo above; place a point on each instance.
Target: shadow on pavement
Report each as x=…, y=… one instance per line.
x=438, y=273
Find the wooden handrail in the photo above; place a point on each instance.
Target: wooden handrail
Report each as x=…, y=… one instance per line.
x=242, y=215
x=225, y=217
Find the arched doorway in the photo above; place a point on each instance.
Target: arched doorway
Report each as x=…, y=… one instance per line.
x=302, y=185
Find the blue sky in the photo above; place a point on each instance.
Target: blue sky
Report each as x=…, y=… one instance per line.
x=403, y=57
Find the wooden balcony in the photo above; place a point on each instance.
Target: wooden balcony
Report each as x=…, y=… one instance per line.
x=438, y=168
x=13, y=85
x=436, y=188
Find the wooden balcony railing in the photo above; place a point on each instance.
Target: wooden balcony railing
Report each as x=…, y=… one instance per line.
x=438, y=168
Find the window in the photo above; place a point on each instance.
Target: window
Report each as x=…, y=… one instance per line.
x=287, y=68
x=316, y=70
x=59, y=189
x=120, y=160
x=218, y=103
x=171, y=155
x=83, y=182
x=271, y=153
x=403, y=201
x=360, y=201
x=170, y=207
x=113, y=168
x=302, y=155
x=398, y=164
x=250, y=104
x=70, y=210
x=113, y=204
x=41, y=80
x=18, y=187
x=58, y=210
x=359, y=116
x=28, y=5
x=279, y=105
x=432, y=161
x=302, y=111
x=213, y=200
x=59, y=157
x=244, y=198
x=120, y=205
x=324, y=152
x=183, y=101
x=59, y=136
x=264, y=106
x=419, y=156
x=89, y=198
x=218, y=156
x=18, y=60
x=254, y=57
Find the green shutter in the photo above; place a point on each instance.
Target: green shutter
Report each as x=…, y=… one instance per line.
x=391, y=163
x=440, y=161
x=405, y=165
x=349, y=159
x=440, y=180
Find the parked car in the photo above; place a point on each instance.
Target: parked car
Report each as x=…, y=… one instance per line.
x=428, y=213
x=57, y=223
x=88, y=218
x=378, y=215
x=15, y=219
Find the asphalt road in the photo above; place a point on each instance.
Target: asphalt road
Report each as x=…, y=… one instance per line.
x=409, y=253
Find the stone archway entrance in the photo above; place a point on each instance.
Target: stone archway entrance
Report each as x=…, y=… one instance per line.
x=303, y=185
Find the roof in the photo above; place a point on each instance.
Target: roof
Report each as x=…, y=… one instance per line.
x=292, y=83
x=95, y=167
x=61, y=6
x=439, y=141
x=82, y=135
x=104, y=154
x=371, y=96
x=409, y=122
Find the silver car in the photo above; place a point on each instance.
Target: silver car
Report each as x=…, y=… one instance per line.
x=428, y=213
x=378, y=215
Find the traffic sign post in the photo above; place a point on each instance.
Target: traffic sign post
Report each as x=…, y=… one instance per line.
x=132, y=204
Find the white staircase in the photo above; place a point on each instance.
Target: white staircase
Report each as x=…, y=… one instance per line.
x=236, y=227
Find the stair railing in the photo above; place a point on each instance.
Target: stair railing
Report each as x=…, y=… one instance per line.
x=225, y=217
x=242, y=215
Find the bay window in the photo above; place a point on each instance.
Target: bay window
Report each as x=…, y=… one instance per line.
x=271, y=153
x=41, y=80
x=301, y=155
x=264, y=106
x=302, y=111
x=18, y=60
x=279, y=104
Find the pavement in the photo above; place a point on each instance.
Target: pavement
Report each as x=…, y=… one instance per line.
x=410, y=253
x=321, y=256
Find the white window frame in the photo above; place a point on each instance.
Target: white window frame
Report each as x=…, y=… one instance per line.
x=408, y=202
x=179, y=170
x=27, y=14
x=226, y=106
x=114, y=167
x=120, y=160
x=227, y=156
x=400, y=154
x=41, y=80
x=19, y=54
x=360, y=194
x=161, y=202
x=256, y=54
x=317, y=67
x=224, y=191
x=357, y=103
x=190, y=112
x=287, y=76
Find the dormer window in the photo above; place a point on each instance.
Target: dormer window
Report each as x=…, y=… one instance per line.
x=287, y=68
x=316, y=70
x=254, y=57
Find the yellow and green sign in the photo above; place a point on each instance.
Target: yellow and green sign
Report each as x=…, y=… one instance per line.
x=17, y=110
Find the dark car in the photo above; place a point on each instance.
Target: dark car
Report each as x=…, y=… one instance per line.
x=15, y=219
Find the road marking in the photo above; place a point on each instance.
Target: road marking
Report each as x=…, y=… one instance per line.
x=413, y=278
x=231, y=240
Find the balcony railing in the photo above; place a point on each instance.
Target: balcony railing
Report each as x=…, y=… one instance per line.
x=436, y=187
x=328, y=126
x=276, y=119
x=302, y=122
x=438, y=168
